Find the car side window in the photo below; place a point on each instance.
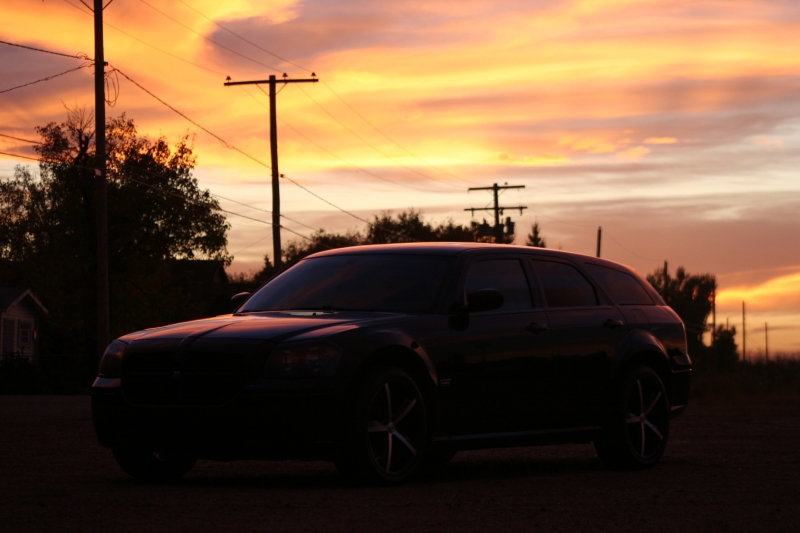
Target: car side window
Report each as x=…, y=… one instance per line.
x=624, y=288
x=564, y=286
x=504, y=275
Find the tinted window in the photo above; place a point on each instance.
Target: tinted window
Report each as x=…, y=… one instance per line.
x=624, y=288
x=564, y=286
x=355, y=282
x=505, y=275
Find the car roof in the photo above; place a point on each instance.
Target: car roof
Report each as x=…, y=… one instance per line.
x=458, y=248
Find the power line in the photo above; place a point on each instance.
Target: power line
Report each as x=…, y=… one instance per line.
x=362, y=117
x=353, y=165
x=169, y=193
x=357, y=136
x=208, y=38
x=242, y=38
x=45, y=79
x=225, y=143
x=230, y=146
x=78, y=56
x=105, y=23
x=19, y=139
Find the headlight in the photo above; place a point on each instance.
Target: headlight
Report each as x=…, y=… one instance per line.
x=303, y=360
x=111, y=363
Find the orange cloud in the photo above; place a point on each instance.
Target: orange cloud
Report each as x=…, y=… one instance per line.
x=777, y=294
x=660, y=140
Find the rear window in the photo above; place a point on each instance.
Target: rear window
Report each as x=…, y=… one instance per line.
x=624, y=288
x=564, y=286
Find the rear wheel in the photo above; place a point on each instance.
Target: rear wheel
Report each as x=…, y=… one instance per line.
x=637, y=427
x=153, y=466
x=386, y=431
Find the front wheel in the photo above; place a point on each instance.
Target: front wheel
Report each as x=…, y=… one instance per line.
x=153, y=466
x=386, y=430
x=637, y=427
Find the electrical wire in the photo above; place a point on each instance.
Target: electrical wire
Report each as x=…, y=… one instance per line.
x=225, y=143
x=230, y=146
x=19, y=139
x=362, y=117
x=357, y=136
x=77, y=56
x=370, y=124
x=208, y=38
x=44, y=79
x=353, y=165
x=242, y=38
x=105, y=23
x=169, y=193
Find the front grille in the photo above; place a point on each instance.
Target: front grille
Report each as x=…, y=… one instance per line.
x=191, y=378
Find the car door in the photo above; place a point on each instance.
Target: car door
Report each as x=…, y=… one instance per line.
x=500, y=356
x=586, y=333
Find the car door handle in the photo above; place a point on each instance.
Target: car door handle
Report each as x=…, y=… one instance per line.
x=613, y=324
x=535, y=327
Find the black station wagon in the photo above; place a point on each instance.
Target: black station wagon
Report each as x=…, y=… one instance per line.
x=389, y=359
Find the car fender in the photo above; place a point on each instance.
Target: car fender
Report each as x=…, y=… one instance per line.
x=368, y=345
x=637, y=342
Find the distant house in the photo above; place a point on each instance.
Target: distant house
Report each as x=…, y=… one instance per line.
x=19, y=322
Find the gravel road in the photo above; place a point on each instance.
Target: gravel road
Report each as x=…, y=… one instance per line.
x=729, y=467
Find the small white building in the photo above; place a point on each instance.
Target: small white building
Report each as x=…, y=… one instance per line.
x=19, y=322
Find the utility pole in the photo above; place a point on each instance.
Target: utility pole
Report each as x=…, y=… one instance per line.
x=766, y=342
x=273, y=142
x=744, y=336
x=714, y=317
x=101, y=187
x=498, y=209
x=599, y=238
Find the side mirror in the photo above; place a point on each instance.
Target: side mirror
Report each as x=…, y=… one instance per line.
x=238, y=299
x=484, y=300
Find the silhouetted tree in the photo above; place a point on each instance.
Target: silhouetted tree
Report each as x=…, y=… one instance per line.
x=725, y=348
x=156, y=212
x=407, y=226
x=535, y=237
x=689, y=295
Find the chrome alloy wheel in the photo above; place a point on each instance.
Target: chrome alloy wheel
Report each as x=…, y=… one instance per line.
x=396, y=426
x=636, y=430
x=647, y=419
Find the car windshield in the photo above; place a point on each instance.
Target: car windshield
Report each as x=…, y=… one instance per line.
x=405, y=283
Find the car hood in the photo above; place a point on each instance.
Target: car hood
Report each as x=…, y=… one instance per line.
x=272, y=326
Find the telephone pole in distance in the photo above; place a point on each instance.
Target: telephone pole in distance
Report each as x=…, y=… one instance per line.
x=498, y=228
x=273, y=142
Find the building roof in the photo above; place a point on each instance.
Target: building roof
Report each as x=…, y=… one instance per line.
x=10, y=296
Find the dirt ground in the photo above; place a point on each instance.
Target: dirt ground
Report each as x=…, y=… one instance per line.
x=727, y=468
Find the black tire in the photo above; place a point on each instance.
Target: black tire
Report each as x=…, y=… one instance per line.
x=637, y=427
x=385, y=437
x=152, y=466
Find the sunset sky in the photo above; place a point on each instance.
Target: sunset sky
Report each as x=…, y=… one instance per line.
x=673, y=124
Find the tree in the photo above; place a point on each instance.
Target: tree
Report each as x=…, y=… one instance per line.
x=535, y=238
x=725, y=348
x=690, y=296
x=156, y=212
x=407, y=226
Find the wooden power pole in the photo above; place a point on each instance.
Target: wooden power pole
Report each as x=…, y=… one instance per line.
x=498, y=228
x=101, y=187
x=273, y=142
x=599, y=239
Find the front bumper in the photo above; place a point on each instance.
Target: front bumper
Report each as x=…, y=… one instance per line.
x=292, y=421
